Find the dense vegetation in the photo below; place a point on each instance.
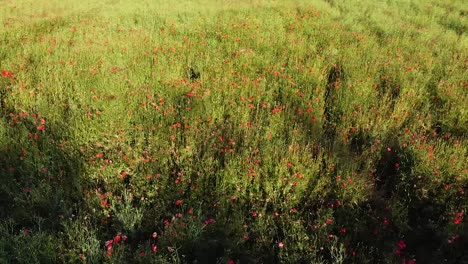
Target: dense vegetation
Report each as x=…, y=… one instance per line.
x=244, y=132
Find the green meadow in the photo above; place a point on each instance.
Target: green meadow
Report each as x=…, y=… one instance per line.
x=250, y=131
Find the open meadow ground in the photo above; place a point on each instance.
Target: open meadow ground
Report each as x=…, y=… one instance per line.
x=250, y=131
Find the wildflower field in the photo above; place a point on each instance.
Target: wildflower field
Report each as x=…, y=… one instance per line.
x=249, y=131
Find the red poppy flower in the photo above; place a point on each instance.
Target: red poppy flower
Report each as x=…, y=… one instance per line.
x=401, y=244
x=7, y=73
x=385, y=222
x=109, y=243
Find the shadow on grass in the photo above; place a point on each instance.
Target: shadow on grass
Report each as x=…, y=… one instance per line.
x=39, y=182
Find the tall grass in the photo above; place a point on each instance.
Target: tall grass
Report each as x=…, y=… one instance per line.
x=258, y=131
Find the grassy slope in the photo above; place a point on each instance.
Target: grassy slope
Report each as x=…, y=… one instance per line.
x=338, y=129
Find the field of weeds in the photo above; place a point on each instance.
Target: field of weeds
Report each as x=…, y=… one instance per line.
x=250, y=131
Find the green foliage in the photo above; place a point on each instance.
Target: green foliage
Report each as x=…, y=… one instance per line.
x=251, y=131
